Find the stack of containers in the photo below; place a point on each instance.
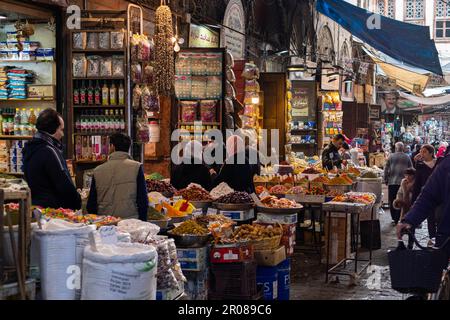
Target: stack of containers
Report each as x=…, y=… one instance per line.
x=18, y=79
x=4, y=156
x=15, y=159
x=194, y=264
x=3, y=83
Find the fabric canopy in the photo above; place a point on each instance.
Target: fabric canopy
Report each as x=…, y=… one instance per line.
x=437, y=101
x=408, y=80
x=403, y=41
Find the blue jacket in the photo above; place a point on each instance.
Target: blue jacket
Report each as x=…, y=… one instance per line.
x=435, y=192
x=47, y=175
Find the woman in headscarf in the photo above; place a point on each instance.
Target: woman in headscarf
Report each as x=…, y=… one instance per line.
x=192, y=169
x=236, y=171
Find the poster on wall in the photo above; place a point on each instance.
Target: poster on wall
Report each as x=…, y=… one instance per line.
x=203, y=37
x=303, y=98
x=391, y=103
x=233, y=30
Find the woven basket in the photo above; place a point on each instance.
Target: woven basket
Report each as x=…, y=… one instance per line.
x=267, y=243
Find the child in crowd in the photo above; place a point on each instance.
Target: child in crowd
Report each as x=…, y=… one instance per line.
x=403, y=201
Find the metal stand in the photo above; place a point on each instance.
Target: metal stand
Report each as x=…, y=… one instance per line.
x=317, y=244
x=355, y=236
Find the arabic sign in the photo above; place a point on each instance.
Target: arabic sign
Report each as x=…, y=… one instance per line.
x=233, y=32
x=202, y=37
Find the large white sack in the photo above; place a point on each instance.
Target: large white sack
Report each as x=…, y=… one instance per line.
x=138, y=230
x=125, y=271
x=61, y=245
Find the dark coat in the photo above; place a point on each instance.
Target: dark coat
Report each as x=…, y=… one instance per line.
x=184, y=174
x=331, y=157
x=47, y=174
x=423, y=172
x=238, y=176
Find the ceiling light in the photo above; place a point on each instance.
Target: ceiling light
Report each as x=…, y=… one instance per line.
x=3, y=17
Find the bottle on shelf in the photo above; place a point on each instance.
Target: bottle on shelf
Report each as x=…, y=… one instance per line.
x=76, y=94
x=121, y=94
x=105, y=95
x=90, y=93
x=113, y=94
x=122, y=121
x=17, y=123
x=98, y=94
x=82, y=94
x=116, y=120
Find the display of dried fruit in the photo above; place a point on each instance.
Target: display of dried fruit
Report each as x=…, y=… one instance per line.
x=356, y=197
x=339, y=181
x=311, y=170
x=235, y=198
x=315, y=191
x=322, y=179
x=260, y=189
x=274, y=202
x=295, y=190
x=255, y=232
x=354, y=171
x=77, y=217
x=195, y=193
x=278, y=189
x=190, y=227
x=160, y=186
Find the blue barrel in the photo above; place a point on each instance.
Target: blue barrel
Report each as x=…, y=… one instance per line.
x=268, y=278
x=284, y=279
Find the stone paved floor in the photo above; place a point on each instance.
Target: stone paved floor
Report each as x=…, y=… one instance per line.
x=308, y=276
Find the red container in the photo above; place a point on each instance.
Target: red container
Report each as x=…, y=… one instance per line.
x=231, y=253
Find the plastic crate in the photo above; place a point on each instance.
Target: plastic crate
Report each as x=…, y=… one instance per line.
x=233, y=279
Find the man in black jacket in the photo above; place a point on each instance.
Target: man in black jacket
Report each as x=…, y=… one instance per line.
x=44, y=166
x=330, y=155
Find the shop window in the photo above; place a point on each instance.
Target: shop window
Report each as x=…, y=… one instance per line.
x=386, y=8
x=414, y=10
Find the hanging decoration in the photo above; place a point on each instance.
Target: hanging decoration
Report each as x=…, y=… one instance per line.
x=164, y=66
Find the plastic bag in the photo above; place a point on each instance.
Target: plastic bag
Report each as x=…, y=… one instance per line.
x=118, y=67
x=79, y=40
x=153, y=103
x=106, y=66
x=229, y=107
x=188, y=111
x=144, y=49
x=208, y=110
x=137, y=93
x=134, y=44
x=79, y=65
x=251, y=71
x=252, y=85
x=104, y=40
x=145, y=97
x=230, y=75
x=231, y=93
x=142, y=130
x=93, y=66
x=229, y=59
x=138, y=230
x=136, y=73
x=148, y=74
x=117, y=38
x=92, y=40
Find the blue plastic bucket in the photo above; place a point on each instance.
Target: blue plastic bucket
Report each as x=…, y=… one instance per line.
x=268, y=278
x=284, y=279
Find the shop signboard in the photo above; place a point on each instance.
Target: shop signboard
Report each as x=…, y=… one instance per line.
x=330, y=81
x=203, y=37
x=233, y=30
x=302, y=98
x=374, y=112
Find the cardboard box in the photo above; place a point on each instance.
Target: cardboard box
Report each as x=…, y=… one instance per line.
x=231, y=253
x=193, y=259
x=280, y=218
x=239, y=215
x=270, y=258
x=339, y=239
x=41, y=91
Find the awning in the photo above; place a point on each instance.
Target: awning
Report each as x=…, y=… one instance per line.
x=408, y=80
x=403, y=41
x=436, y=101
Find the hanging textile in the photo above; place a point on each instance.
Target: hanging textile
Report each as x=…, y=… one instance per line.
x=436, y=101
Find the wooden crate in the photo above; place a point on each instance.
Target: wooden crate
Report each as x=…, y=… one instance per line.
x=339, y=239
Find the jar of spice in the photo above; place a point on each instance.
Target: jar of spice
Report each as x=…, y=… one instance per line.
x=154, y=131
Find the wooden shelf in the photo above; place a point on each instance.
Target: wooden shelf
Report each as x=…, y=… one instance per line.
x=95, y=133
x=96, y=106
x=303, y=130
x=302, y=144
x=98, y=78
x=3, y=137
x=198, y=99
x=26, y=61
x=20, y=174
x=89, y=161
x=160, y=158
x=29, y=99
x=98, y=50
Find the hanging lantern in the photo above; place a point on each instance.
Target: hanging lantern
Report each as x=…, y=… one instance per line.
x=164, y=66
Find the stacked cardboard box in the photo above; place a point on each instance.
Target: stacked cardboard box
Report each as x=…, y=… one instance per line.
x=340, y=239
x=194, y=264
x=4, y=156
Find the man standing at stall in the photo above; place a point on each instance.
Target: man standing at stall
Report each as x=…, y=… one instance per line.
x=44, y=166
x=118, y=186
x=330, y=155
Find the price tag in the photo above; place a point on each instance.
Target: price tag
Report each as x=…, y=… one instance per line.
x=197, y=212
x=211, y=211
x=256, y=199
x=108, y=234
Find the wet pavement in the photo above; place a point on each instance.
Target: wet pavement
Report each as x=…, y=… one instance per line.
x=308, y=275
